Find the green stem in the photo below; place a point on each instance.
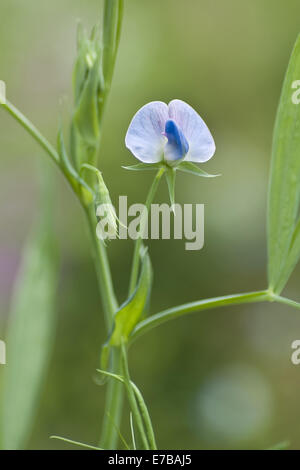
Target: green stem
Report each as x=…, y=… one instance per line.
x=132, y=401
x=175, y=312
x=142, y=405
x=42, y=141
x=101, y=262
x=113, y=405
x=114, y=392
x=284, y=300
x=32, y=130
x=112, y=22
x=113, y=15
x=138, y=243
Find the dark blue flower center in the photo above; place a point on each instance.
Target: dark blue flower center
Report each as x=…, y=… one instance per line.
x=177, y=146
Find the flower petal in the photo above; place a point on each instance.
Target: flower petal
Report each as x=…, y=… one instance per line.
x=144, y=137
x=201, y=143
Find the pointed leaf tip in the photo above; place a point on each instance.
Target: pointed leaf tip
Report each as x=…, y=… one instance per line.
x=189, y=167
x=143, y=166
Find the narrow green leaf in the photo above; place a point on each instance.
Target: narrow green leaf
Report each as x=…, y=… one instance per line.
x=30, y=334
x=75, y=443
x=112, y=21
x=189, y=167
x=143, y=166
x=142, y=406
x=132, y=310
x=198, y=306
x=293, y=254
x=130, y=313
x=284, y=191
x=136, y=412
x=132, y=431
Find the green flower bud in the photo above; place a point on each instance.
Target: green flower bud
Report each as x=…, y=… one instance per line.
x=108, y=226
x=88, y=87
x=92, y=77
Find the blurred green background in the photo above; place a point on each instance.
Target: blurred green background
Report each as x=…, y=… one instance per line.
x=217, y=379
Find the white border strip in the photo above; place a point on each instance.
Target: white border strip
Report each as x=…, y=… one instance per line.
x=2, y=92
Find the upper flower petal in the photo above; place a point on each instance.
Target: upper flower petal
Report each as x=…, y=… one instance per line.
x=145, y=137
x=201, y=143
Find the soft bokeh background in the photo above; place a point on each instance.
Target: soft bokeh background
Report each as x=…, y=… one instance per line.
x=217, y=379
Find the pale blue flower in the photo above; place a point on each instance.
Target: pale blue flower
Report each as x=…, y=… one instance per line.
x=171, y=133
